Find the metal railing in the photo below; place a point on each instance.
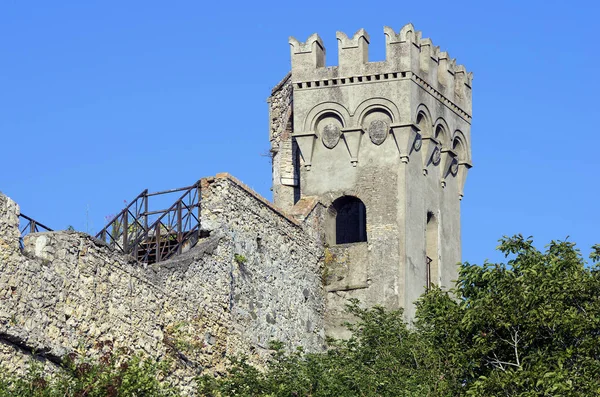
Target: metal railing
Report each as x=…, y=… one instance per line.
x=152, y=236
x=31, y=226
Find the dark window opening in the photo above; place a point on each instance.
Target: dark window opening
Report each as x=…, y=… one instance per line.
x=431, y=250
x=296, y=164
x=350, y=220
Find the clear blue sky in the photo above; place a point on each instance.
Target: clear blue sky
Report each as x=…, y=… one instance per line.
x=102, y=99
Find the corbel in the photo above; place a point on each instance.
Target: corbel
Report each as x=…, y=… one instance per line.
x=431, y=152
x=448, y=162
x=306, y=144
x=463, y=169
x=407, y=138
x=352, y=137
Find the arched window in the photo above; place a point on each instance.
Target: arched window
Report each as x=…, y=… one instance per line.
x=350, y=220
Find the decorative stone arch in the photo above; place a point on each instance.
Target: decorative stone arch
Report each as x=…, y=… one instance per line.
x=459, y=146
x=346, y=221
x=376, y=121
x=408, y=33
x=317, y=112
x=372, y=104
x=423, y=120
x=441, y=132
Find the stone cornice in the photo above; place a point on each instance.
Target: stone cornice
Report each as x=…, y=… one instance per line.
x=251, y=192
x=441, y=98
x=382, y=78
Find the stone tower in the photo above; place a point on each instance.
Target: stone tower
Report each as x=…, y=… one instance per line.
x=385, y=147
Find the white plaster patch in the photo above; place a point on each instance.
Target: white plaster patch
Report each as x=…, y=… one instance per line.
x=40, y=244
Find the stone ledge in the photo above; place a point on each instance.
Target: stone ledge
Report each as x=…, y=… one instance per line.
x=304, y=206
x=281, y=83
x=282, y=213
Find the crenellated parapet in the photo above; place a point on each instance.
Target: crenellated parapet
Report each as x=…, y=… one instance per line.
x=307, y=56
x=385, y=149
x=408, y=56
x=353, y=53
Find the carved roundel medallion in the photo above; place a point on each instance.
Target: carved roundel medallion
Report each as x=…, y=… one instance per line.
x=454, y=167
x=436, y=156
x=330, y=135
x=378, y=130
x=418, y=142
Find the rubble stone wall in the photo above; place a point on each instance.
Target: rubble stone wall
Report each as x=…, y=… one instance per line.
x=276, y=283
x=254, y=279
x=284, y=151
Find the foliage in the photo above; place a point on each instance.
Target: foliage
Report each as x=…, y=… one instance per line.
x=381, y=358
x=529, y=327
x=240, y=259
x=111, y=376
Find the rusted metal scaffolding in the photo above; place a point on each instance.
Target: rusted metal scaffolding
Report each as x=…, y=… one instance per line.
x=151, y=236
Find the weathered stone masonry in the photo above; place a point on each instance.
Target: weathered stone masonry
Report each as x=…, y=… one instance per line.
x=369, y=165
x=388, y=140
x=284, y=150
x=67, y=291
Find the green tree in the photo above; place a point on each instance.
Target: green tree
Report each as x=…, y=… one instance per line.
x=380, y=359
x=528, y=327
x=111, y=376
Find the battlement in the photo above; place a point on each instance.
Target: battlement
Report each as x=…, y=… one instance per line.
x=408, y=56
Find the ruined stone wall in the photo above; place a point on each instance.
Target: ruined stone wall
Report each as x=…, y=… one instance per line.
x=254, y=279
x=310, y=212
x=277, y=290
x=13, y=353
x=69, y=293
x=283, y=148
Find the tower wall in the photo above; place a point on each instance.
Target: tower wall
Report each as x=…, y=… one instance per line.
x=283, y=150
x=396, y=135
